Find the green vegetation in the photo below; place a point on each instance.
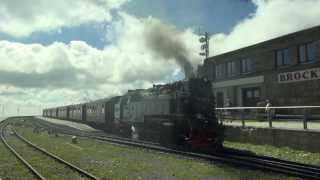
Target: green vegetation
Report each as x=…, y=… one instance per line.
x=109, y=161
x=46, y=166
x=10, y=166
x=278, y=152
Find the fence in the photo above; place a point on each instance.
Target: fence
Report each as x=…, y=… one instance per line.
x=281, y=115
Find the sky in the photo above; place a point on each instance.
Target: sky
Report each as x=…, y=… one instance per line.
x=65, y=52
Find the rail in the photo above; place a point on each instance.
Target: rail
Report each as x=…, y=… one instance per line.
x=270, y=114
x=32, y=170
x=55, y=157
x=233, y=158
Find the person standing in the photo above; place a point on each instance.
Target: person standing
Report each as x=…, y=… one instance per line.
x=268, y=104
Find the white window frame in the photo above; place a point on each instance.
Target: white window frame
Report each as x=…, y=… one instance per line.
x=308, y=57
x=281, y=60
x=231, y=68
x=245, y=66
x=219, y=71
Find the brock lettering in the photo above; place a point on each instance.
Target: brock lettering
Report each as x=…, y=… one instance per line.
x=304, y=75
x=314, y=74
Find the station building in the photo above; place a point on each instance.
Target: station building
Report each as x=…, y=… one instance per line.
x=284, y=70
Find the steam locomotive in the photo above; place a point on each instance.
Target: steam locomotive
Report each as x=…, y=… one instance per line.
x=179, y=114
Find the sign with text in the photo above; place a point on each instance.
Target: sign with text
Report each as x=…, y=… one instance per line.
x=304, y=75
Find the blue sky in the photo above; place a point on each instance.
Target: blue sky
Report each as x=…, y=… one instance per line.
x=38, y=72
x=215, y=16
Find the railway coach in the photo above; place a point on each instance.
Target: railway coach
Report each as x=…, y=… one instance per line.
x=63, y=112
x=180, y=113
x=77, y=112
x=96, y=113
x=51, y=112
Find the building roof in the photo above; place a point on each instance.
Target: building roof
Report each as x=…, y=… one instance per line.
x=268, y=42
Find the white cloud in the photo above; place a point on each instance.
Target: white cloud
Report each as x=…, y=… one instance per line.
x=23, y=17
x=70, y=73
x=272, y=18
x=62, y=73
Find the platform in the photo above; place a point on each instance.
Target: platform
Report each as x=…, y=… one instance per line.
x=75, y=125
x=295, y=125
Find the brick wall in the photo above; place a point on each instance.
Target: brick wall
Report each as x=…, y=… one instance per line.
x=264, y=63
x=296, y=139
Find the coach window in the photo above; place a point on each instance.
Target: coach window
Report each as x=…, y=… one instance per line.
x=245, y=66
x=231, y=69
x=282, y=57
x=307, y=53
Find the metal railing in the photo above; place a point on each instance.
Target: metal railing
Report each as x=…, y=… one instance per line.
x=271, y=114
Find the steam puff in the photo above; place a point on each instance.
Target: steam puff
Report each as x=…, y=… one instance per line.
x=166, y=42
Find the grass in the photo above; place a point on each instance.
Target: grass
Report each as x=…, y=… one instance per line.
x=109, y=161
x=10, y=166
x=45, y=165
x=278, y=152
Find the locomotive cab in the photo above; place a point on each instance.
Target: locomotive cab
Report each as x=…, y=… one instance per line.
x=192, y=123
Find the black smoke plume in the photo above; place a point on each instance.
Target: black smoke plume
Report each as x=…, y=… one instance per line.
x=166, y=42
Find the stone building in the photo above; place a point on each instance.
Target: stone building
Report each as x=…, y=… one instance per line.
x=285, y=70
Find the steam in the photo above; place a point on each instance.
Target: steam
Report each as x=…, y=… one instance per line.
x=166, y=42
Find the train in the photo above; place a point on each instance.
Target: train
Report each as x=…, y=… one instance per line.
x=179, y=114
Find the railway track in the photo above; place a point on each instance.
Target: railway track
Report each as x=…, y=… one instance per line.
x=97, y=134
x=57, y=168
x=242, y=160
x=230, y=156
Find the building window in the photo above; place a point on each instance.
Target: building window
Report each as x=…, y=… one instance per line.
x=256, y=93
x=231, y=69
x=307, y=53
x=245, y=66
x=250, y=96
x=283, y=57
x=219, y=70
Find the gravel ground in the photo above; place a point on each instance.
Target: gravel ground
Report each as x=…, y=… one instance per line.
x=79, y=126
